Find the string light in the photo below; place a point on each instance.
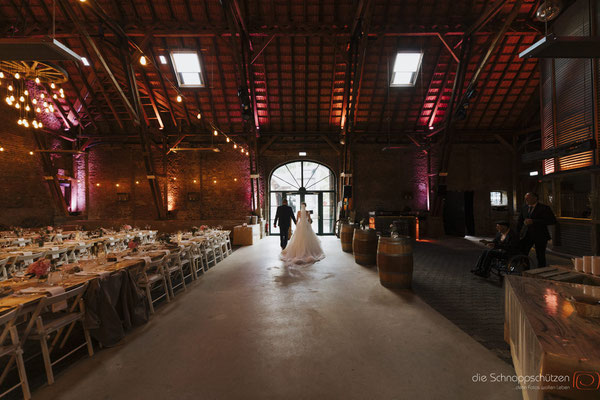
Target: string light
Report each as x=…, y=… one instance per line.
x=20, y=122
x=143, y=60
x=199, y=116
x=235, y=146
x=37, y=80
x=21, y=99
x=43, y=96
x=27, y=108
x=1, y=74
x=38, y=110
x=17, y=106
x=179, y=98
x=235, y=179
x=40, y=125
x=17, y=76
x=242, y=150
x=227, y=139
x=215, y=132
x=26, y=92
x=34, y=101
x=53, y=86
x=55, y=96
x=215, y=181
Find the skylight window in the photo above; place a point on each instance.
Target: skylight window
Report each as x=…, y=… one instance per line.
x=406, y=69
x=187, y=68
x=163, y=59
x=85, y=61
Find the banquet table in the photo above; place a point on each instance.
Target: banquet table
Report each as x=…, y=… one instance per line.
x=548, y=337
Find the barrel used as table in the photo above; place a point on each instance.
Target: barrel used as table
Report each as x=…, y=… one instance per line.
x=346, y=236
x=364, y=246
x=395, y=261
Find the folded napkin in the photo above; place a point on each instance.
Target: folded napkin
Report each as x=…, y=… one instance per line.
x=52, y=290
x=147, y=260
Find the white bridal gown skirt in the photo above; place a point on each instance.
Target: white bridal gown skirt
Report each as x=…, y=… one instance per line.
x=304, y=246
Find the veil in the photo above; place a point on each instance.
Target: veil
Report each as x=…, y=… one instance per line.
x=304, y=247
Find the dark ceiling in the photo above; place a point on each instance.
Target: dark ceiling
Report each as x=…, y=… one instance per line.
x=298, y=67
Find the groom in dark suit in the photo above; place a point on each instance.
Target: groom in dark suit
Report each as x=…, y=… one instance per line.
x=284, y=215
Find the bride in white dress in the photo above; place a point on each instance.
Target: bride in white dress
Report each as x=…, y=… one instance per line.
x=304, y=247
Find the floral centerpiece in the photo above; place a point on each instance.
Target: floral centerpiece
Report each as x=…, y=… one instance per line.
x=40, y=268
x=49, y=230
x=18, y=231
x=126, y=228
x=134, y=244
x=203, y=227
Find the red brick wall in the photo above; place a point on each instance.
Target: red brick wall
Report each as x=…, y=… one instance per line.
x=228, y=198
x=24, y=195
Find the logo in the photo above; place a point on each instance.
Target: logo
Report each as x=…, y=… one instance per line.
x=586, y=380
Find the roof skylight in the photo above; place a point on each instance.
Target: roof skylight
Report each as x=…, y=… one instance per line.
x=406, y=69
x=188, y=69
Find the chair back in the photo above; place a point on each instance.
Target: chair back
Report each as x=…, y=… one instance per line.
x=155, y=265
x=77, y=292
x=27, y=259
x=7, y=321
x=3, y=271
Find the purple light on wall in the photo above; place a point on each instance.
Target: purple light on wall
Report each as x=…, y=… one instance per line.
x=420, y=180
x=78, y=191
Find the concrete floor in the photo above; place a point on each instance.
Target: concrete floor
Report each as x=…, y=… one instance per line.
x=252, y=328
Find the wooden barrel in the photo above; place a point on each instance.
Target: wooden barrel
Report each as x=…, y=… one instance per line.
x=346, y=236
x=395, y=262
x=364, y=246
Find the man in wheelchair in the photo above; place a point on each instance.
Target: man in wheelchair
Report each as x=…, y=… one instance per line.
x=504, y=247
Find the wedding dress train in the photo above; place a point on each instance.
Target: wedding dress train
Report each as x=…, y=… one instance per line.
x=304, y=246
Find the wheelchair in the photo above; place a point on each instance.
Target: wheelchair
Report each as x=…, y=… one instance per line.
x=513, y=265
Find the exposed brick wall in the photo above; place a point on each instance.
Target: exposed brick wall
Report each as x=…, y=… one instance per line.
x=24, y=195
x=228, y=198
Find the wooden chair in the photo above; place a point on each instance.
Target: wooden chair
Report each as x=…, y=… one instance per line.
x=209, y=253
x=222, y=241
x=3, y=269
x=60, y=255
x=228, y=242
x=197, y=259
x=22, y=261
x=152, y=278
x=13, y=349
x=58, y=323
x=173, y=268
x=186, y=263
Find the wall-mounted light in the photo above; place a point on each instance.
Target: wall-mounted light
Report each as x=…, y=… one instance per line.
x=117, y=185
x=533, y=173
x=163, y=59
x=1, y=148
x=215, y=132
x=31, y=153
x=137, y=182
x=302, y=153
x=97, y=185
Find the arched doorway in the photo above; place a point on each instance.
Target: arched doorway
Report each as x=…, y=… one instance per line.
x=309, y=182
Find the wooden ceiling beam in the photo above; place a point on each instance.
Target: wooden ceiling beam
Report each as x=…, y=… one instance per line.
x=164, y=87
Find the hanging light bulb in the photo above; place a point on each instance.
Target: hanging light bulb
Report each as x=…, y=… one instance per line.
x=40, y=125
x=47, y=111
x=199, y=116
x=38, y=109
x=215, y=132
x=61, y=90
x=1, y=74
x=17, y=106
x=17, y=76
x=235, y=146
x=53, y=86
x=27, y=108
x=55, y=96
x=179, y=98
x=45, y=104
x=227, y=139
x=34, y=101
x=43, y=96
x=37, y=80
x=247, y=152
x=10, y=87
x=143, y=60
x=26, y=92
x=21, y=99
x=34, y=123
x=242, y=149
x=26, y=123
x=12, y=98
x=62, y=95
x=8, y=100
x=51, y=108
x=20, y=121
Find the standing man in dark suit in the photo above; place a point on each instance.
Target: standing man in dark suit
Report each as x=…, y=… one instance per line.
x=284, y=215
x=533, y=226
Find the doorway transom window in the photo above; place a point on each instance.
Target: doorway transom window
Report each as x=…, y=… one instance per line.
x=304, y=181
